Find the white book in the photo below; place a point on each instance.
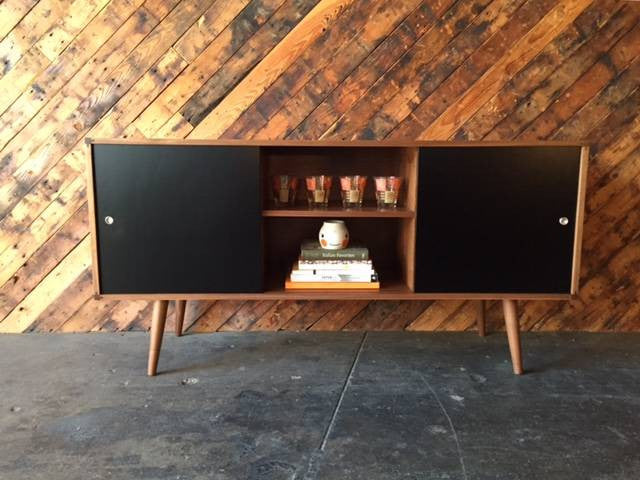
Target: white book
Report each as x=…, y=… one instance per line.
x=368, y=271
x=364, y=266
x=323, y=277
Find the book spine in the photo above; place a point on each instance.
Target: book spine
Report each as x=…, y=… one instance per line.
x=351, y=266
x=361, y=272
x=289, y=285
x=323, y=277
x=352, y=254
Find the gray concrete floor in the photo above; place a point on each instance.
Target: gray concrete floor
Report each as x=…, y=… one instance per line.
x=319, y=406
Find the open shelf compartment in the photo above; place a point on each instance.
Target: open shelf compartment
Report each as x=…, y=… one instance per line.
x=390, y=244
x=303, y=161
x=389, y=234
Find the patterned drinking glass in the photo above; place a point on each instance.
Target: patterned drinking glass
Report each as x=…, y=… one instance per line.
x=352, y=190
x=318, y=189
x=387, y=191
x=284, y=190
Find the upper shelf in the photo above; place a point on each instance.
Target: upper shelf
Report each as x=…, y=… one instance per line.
x=363, y=212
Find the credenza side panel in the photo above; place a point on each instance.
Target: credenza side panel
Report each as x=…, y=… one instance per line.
x=489, y=219
x=186, y=219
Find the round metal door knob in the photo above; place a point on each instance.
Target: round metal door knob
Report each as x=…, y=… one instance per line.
x=563, y=221
x=108, y=220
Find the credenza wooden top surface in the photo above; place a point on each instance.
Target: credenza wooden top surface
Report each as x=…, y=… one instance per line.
x=332, y=143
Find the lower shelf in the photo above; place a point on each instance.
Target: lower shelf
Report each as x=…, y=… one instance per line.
x=388, y=291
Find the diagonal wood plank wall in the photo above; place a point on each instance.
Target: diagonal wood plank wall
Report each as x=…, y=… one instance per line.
x=438, y=69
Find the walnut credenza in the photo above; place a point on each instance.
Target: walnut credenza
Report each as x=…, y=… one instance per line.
x=192, y=220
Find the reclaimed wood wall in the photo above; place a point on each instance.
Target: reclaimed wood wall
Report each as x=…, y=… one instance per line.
x=437, y=69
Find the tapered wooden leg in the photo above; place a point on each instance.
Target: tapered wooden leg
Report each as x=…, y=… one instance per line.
x=513, y=334
x=181, y=305
x=157, y=330
x=481, y=318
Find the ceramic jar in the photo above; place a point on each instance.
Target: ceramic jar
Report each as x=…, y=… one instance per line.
x=333, y=235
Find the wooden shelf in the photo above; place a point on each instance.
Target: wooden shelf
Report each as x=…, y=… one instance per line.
x=333, y=211
x=391, y=287
x=388, y=290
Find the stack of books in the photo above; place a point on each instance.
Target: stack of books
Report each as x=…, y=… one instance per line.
x=318, y=268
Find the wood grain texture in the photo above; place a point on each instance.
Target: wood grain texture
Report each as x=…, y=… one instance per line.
x=309, y=69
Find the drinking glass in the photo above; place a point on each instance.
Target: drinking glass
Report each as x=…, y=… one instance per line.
x=387, y=191
x=318, y=189
x=352, y=190
x=284, y=190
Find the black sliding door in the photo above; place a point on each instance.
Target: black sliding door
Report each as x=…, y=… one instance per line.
x=496, y=219
x=178, y=219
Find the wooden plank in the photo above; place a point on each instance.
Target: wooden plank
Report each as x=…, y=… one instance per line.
x=37, y=266
x=54, y=284
x=605, y=225
x=414, y=64
x=41, y=229
x=20, y=76
x=11, y=12
x=278, y=315
x=608, y=100
x=435, y=315
x=249, y=55
x=392, y=48
x=247, y=315
x=130, y=105
x=500, y=27
x=462, y=319
x=60, y=35
x=514, y=60
x=607, y=291
x=587, y=86
x=160, y=8
x=532, y=76
x=549, y=91
x=176, y=127
x=383, y=316
x=65, y=305
x=194, y=311
x=609, y=126
x=166, y=106
x=44, y=124
x=338, y=317
x=55, y=76
x=322, y=67
x=89, y=315
x=309, y=314
x=37, y=103
x=88, y=110
x=207, y=28
x=616, y=151
x=216, y=316
x=266, y=72
x=608, y=188
x=27, y=32
x=125, y=314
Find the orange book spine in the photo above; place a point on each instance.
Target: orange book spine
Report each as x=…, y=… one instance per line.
x=289, y=285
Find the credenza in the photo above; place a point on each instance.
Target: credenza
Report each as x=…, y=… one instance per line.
x=179, y=220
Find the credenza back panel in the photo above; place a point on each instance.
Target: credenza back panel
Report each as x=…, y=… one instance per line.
x=186, y=218
x=492, y=219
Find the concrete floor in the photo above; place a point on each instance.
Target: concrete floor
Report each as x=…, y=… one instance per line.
x=319, y=406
